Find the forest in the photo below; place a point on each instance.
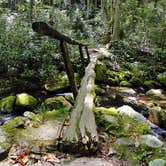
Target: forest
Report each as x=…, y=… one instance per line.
x=82, y=82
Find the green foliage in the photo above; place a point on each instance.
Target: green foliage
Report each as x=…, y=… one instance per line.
x=11, y=125
x=22, y=57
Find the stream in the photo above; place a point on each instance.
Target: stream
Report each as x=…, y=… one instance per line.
x=138, y=99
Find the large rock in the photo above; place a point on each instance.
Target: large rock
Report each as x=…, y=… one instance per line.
x=127, y=91
x=150, y=141
x=57, y=102
x=4, y=144
x=45, y=134
x=25, y=100
x=162, y=78
x=155, y=93
x=128, y=111
x=110, y=120
x=7, y=103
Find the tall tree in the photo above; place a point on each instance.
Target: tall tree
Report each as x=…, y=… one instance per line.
x=116, y=26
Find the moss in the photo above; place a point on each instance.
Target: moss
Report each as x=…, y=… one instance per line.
x=106, y=111
x=56, y=114
x=113, y=81
x=118, y=125
x=149, y=84
x=135, y=81
x=59, y=81
x=99, y=90
x=125, y=75
x=25, y=100
x=57, y=102
x=112, y=74
x=125, y=83
x=6, y=104
x=162, y=78
x=11, y=125
x=100, y=72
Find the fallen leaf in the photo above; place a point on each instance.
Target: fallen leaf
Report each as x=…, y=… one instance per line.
x=68, y=157
x=25, y=159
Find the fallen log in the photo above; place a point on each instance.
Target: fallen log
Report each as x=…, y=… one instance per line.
x=81, y=134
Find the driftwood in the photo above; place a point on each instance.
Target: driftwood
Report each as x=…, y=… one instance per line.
x=81, y=135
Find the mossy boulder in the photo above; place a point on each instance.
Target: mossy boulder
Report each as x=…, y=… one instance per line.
x=149, y=84
x=162, y=78
x=150, y=141
x=7, y=103
x=25, y=100
x=106, y=111
x=126, y=110
x=125, y=84
x=157, y=93
x=112, y=77
x=135, y=81
x=57, y=102
x=101, y=70
x=58, y=82
x=119, y=125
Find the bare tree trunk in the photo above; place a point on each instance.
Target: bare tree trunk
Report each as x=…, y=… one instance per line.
x=33, y=10
x=116, y=28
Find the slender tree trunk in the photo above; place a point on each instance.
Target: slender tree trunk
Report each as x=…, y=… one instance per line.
x=116, y=27
x=33, y=9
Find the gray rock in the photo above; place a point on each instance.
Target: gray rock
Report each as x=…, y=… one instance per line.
x=157, y=162
x=151, y=141
x=158, y=93
x=45, y=134
x=127, y=91
x=125, y=142
x=128, y=111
